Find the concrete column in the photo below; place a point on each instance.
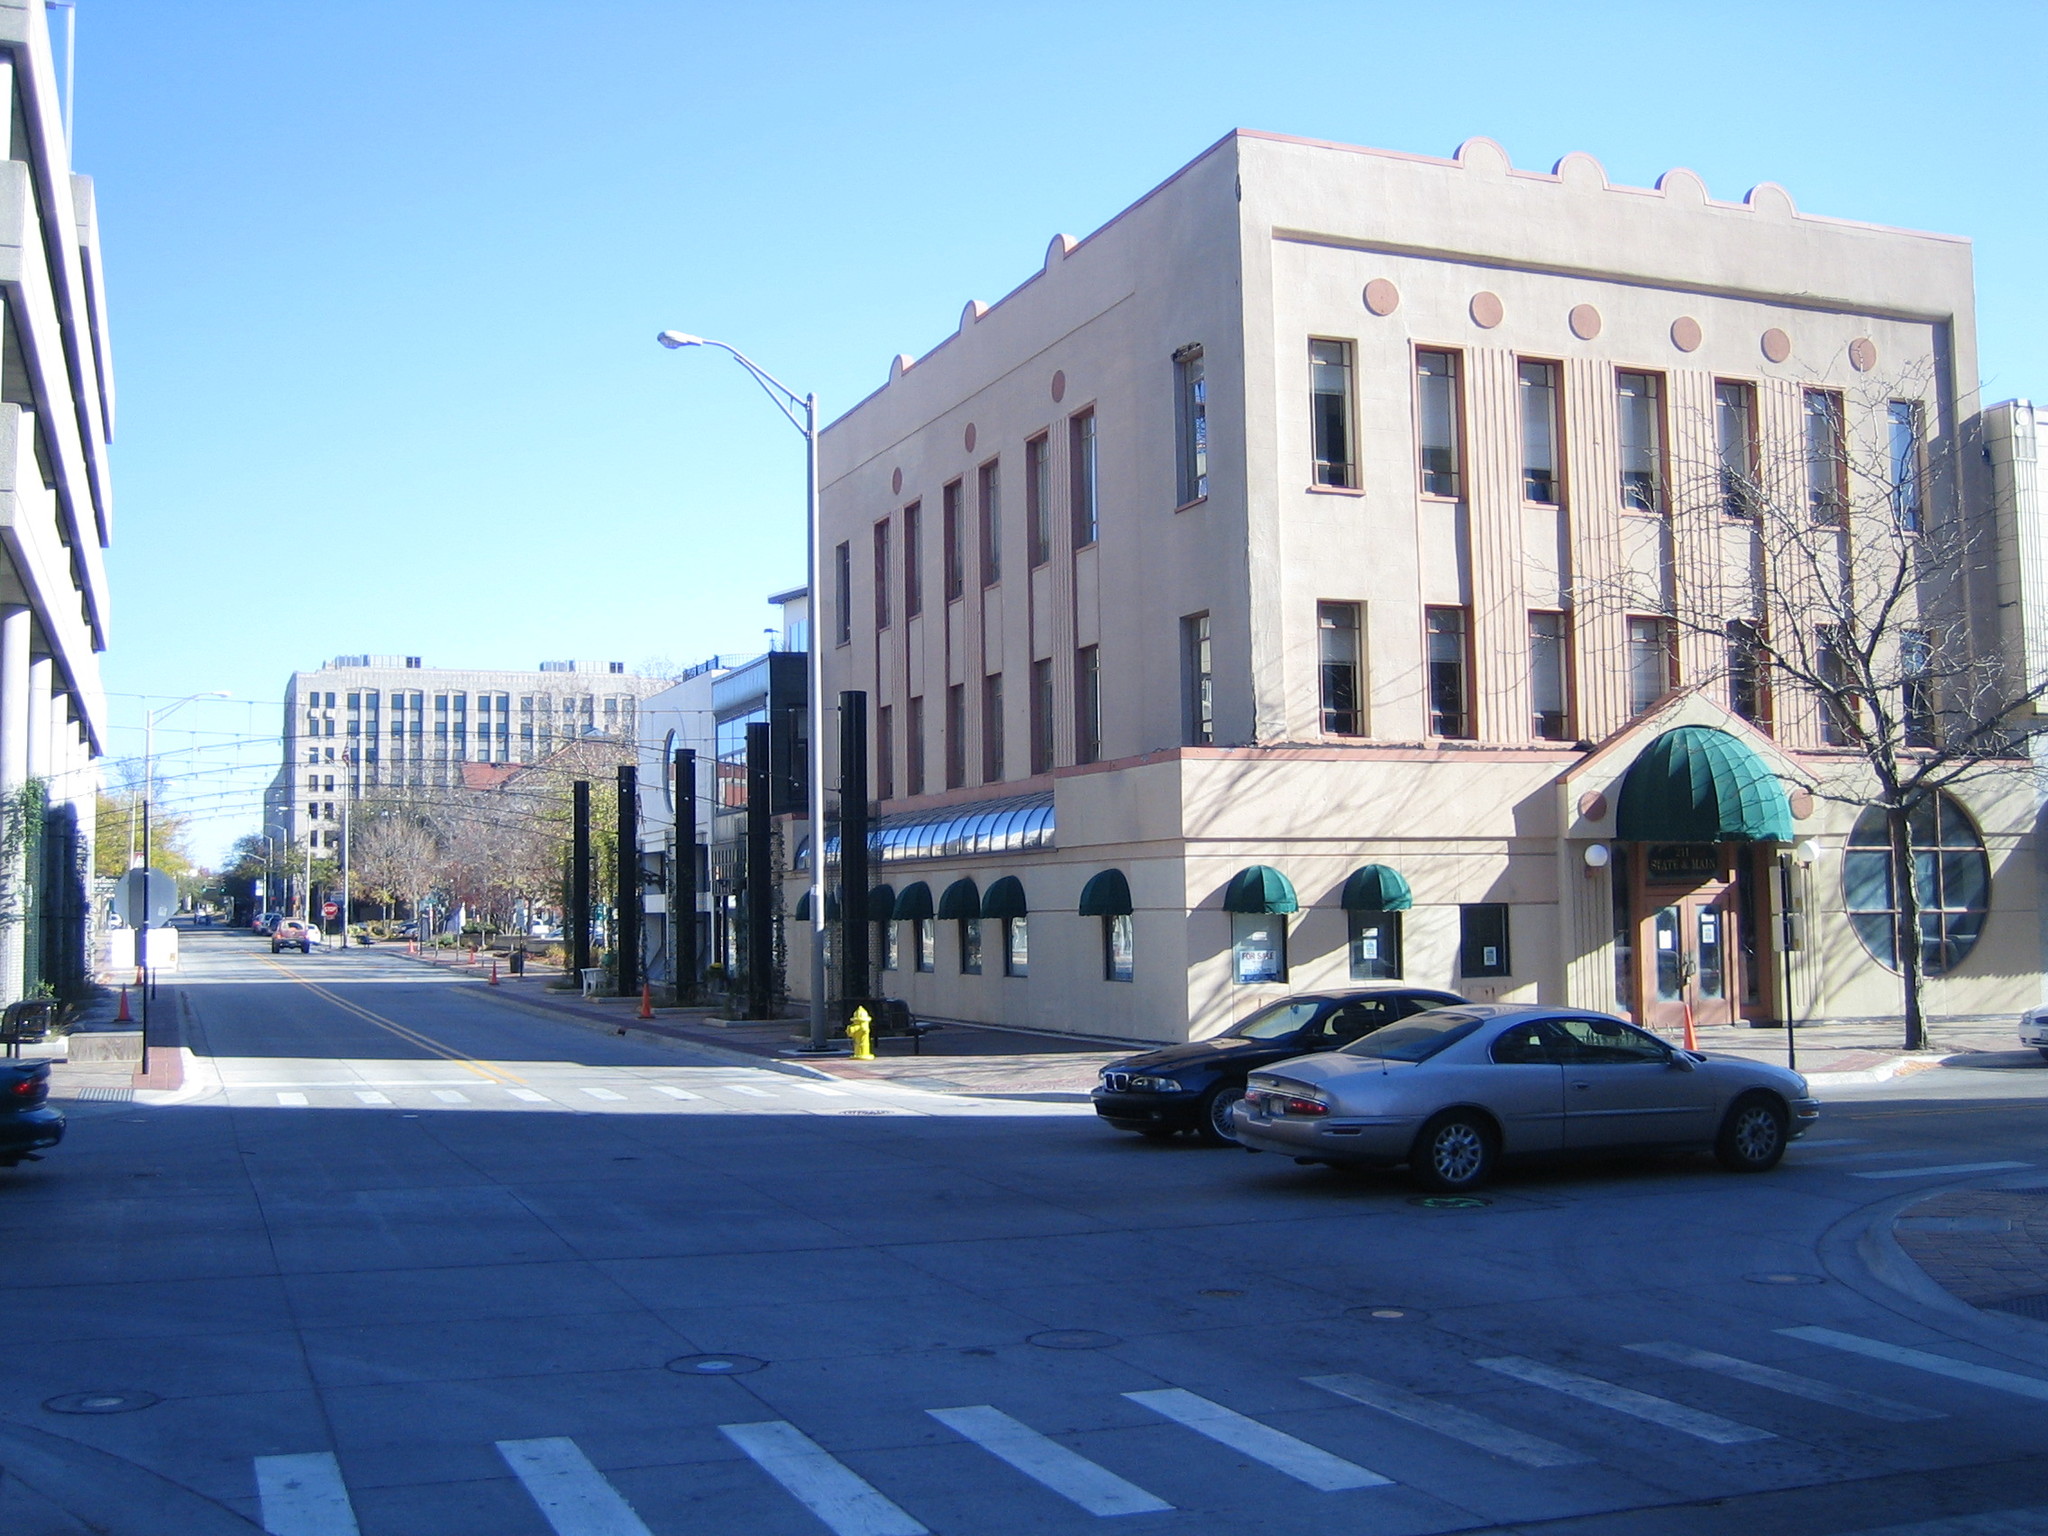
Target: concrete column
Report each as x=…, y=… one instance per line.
x=14, y=734
x=40, y=669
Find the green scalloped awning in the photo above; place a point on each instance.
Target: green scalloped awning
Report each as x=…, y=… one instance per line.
x=962, y=900
x=1005, y=898
x=882, y=904
x=1376, y=888
x=1700, y=785
x=1107, y=894
x=1260, y=888
x=913, y=903
x=803, y=906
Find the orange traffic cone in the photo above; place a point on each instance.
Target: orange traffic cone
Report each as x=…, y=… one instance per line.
x=473, y=959
x=646, y=1001
x=1691, y=1040
x=123, y=1017
x=494, y=970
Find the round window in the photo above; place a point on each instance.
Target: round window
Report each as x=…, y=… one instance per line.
x=1951, y=877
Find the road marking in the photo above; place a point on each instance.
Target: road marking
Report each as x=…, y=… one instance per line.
x=1999, y=1522
x=752, y=1093
x=369, y=1097
x=451, y=1096
x=820, y=1088
x=674, y=1093
x=576, y=1498
x=1529, y=1450
x=605, y=1093
x=1921, y=1360
x=825, y=1486
x=411, y=1036
x=1096, y=1489
x=1282, y=1452
x=1784, y=1381
x=527, y=1096
x=1934, y=1173
x=1637, y=1405
x=293, y=1100
x=303, y=1496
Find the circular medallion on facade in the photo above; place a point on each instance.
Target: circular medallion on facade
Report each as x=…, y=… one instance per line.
x=1863, y=354
x=896, y=483
x=1059, y=385
x=1382, y=297
x=1776, y=344
x=967, y=437
x=1801, y=803
x=1685, y=334
x=1592, y=805
x=1487, y=310
x=1584, y=321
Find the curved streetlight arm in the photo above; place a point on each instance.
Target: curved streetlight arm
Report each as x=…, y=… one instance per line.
x=800, y=409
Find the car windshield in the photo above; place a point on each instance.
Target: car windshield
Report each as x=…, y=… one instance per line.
x=1283, y=1018
x=1417, y=1038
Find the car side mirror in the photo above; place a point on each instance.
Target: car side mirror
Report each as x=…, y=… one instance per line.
x=1680, y=1062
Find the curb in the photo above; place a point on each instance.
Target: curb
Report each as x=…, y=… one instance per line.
x=103, y=1493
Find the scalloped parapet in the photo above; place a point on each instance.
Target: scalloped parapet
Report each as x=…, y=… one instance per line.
x=1683, y=186
x=1484, y=156
x=899, y=365
x=1059, y=249
x=1768, y=198
x=971, y=311
x=1579, y=169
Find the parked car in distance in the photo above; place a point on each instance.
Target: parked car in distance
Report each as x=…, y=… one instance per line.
x=2034, y=1029
x=28, y=1122
x=1194, y=1086
x=263, y=922
x=291, y=933
x=1453, y=1091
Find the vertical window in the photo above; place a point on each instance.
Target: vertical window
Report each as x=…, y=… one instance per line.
x=1118, y=948
x=1258, y=947
x=1483, y=939
x=1651, y=662
x=1838, y=700
x=1735, y=439
x=1902, y=422
x=1198, y=682
x=1038, y=498
x=1016, y=946
x=1549, y=707
x=882, y=574
x=992, y=728
x=1338, y=663
x=1437, y=424
x=956, y=567
x=1640, y=407
x=913, y=560
x=1538, y=392
x=1041, y=715
x=1088, y=704
x=927, y=944
x=1449, y=667
x=1746, y=686
x=1375, y=946
x=842, y=592
x=1329, y=366
x=1916, y=692
x=1081, y=479
x=885, y=752
x=891, y=955
x=1824, y=456
x=913, y=747
x=956, y=735
x=970, y=946
x=1191, y=426
x=989, y=498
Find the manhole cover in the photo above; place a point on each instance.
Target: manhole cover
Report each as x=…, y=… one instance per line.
x=1385, y=1314
x=1073, y=1338
x=715, y=1365
x=1785, y=1277
x=1449, y=1202
x=102, y=1402
x=1220, y=1292
x=2025, y=1306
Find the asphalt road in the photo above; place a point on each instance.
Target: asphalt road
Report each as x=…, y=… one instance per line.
x=414, y=1260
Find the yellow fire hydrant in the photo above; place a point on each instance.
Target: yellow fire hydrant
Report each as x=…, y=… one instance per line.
x=859, y=1029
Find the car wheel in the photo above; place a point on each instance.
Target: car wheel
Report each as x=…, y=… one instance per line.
x=1212, y=1122
x=2044, y=1052
x=1454, y=1153
x=1752, y=1136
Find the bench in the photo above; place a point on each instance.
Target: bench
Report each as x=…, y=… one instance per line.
x=26, y=1023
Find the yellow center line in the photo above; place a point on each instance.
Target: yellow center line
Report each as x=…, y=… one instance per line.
x=404, y=1032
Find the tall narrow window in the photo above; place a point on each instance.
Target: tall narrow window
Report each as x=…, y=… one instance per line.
x=1191, y=426
x=1824, y=456
x=882, y=574
x=1838, y=701
x=913, y=746
x=1338, y=662
x=885, y=752
x=1735, y=438
x=1041, y=715
x=842, y=592
x=1549, y=697
x=1198, y=682
x=1746, y=682
x=1651, y=662
x=1450, y=712
x=956, y=736
x=1038, y=498
x=1437, y=423
x=1916, y=692
x=1538, y=390
x=1330, y=412
x=913, y=560
x=1082, y=490
x=1088, y=704
x=1483, y=939
x=992, y=728
x=956, y=557
x=1119, y=948
x=1640, y=408
x=989, y=497
x=1902, y=421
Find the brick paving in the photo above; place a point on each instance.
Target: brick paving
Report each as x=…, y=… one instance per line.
x=1988, y=1247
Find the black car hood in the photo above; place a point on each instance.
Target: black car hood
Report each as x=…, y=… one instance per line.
x=1195, y=1053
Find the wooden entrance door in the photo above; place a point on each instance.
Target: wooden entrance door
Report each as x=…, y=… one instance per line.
x=1688, y=926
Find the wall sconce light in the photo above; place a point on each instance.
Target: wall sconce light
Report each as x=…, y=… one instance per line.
x=1597, y=855
x=1806, y=854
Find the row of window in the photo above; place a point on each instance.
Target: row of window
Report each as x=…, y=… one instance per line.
x=994, y=754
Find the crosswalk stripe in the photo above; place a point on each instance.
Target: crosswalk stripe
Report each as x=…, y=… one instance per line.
x=1941, y=1172
x=1997, y=1522
x=303, y=1496
x=752, y=1093
x=824, y=1485
x=675, y=1093
x=451, y=1096
x=1282, y=1452
x=1868, y=1404
x=576, y=1498
x=527, y=1096
x=293, y=1100
x=823, y=1091
x=1710, y=1427
x=605, y=1093
x=1457, y=1423
x=371, y=1097
x=1921, y=1360
x=1096, y=1489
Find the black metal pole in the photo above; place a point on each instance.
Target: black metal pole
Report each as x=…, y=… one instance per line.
x=1787, y=923
x=628, y=894
x=579, y=878
x=760, y=892
x=854, y=970
x=142, y=930
x=684, y=901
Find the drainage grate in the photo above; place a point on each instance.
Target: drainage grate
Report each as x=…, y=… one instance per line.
x=106, y=1095
x=2024, y=1306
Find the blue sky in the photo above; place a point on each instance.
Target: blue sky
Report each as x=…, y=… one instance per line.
x=383, y=278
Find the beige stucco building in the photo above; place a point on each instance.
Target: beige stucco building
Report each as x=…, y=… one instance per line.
x=1334, y=530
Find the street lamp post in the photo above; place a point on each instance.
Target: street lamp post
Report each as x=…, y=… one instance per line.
x=802, y=411
x=149, y=720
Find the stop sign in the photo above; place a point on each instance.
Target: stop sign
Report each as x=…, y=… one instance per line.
x=330, y=909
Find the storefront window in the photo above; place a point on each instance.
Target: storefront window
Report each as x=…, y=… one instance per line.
x=927, y=944
x=1951, y=877
x=1016, y=946
x=888, y=945
x=1258, y=947
x=1118, y=948
x=970, y=946
x=1375, y=946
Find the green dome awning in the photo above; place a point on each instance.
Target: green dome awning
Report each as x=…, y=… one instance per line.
x=914, y=903
x=1005, y=899
x=803, y=906
x=1107, y=894
x=1700, y=785
x=882, y=904
x=1261, y=888
x=962, y=900
x=1376, y=888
